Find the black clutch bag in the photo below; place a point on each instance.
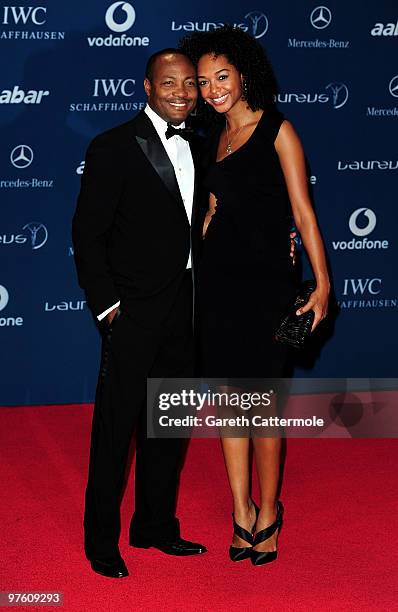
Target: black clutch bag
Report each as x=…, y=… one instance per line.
x=295, y=329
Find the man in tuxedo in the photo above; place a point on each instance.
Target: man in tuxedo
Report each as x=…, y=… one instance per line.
x=131, y=236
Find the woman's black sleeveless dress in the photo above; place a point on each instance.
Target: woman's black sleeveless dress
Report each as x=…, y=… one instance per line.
x=246, y=278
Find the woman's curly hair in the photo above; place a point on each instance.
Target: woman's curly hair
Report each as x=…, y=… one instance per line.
x=242, y=51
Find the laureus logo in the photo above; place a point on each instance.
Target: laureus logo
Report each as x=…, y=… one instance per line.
x=38, y=234
x=254, y=22
x=257, y=23
x=339, y=94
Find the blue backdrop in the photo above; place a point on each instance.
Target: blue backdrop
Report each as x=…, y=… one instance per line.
x=70, y=70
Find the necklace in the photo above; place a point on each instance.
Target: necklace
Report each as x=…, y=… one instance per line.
x=228, y=148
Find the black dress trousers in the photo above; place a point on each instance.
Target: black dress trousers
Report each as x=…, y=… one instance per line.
x=131, y=354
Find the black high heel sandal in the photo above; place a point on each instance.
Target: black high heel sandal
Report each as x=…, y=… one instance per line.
x=260, y=558
x=239, y=553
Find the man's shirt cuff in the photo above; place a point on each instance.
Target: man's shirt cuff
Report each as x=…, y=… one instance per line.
x=103, y=314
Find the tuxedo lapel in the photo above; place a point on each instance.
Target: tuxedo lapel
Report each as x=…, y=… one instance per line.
x=152, y=147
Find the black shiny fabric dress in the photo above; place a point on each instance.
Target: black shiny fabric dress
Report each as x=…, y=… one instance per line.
x=246, y=278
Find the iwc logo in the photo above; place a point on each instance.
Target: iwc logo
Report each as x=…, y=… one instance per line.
x=110, y=95
x=364, y=293
x=14, y=18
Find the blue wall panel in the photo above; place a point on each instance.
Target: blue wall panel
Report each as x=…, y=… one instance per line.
x=83, y=63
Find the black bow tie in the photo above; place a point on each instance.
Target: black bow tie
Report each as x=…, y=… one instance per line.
x=186, y=133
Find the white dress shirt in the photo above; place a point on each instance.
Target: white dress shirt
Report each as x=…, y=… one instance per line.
x=179, y=153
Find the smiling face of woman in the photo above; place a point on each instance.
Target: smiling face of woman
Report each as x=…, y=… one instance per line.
x=220, y=83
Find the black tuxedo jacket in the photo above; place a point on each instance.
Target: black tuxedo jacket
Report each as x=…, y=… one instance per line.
x=131, y=234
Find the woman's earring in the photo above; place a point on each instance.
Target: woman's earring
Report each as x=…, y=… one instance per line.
x=244, y=90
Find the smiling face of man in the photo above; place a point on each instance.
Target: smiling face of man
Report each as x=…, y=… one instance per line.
x=171, y=89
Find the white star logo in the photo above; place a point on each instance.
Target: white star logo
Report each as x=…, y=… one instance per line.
x=393, y=86
x=21, y=156
x=321, y=17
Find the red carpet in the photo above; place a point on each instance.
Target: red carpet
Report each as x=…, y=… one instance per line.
x=337, y=550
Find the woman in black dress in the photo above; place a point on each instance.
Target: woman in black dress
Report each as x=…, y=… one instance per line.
x=256, y=181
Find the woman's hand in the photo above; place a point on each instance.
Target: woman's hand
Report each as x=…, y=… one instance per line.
x=291, y=157
x=293, y=246
x=318, y=302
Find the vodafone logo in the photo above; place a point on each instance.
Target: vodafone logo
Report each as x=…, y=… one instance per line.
x=129, y=18
x=119, y=17
x=362, y=222
x=3, y=297
x=366, y=229
x=7, y=321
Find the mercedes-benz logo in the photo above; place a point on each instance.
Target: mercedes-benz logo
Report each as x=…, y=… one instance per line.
x=339, y=94
x=393, y=86
x=258, y=23
x=38, y=234
x=21, y=156
x=321, y=17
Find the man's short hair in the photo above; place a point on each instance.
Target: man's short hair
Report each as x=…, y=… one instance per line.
x=152, y=60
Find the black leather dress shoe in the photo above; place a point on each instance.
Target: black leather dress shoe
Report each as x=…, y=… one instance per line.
x=176, y=546
x=113, y=567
